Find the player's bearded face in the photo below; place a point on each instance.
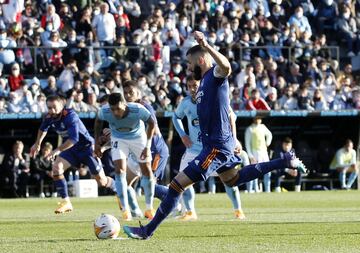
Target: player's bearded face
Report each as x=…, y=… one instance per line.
x=197, y=72
x=55, y=108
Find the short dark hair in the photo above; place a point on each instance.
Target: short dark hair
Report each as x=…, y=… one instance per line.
x=287, y=140
x=53, y=98
x=116, y=98
x=104, y=98
x=130, y=83
x=195, y=50
x=190, y=78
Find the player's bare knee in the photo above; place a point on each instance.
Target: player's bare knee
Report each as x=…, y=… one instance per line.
x=57, y=169
x=229, y=178
x=183, y=180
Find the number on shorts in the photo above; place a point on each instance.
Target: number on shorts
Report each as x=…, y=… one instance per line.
x=114, y=144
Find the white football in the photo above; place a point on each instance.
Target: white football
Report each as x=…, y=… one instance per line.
x=106, y=226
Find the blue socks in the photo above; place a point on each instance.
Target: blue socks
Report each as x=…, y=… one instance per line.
x=234, y=195
x=148, y=184
x=61, y=188
x=189, y=199
x=165, y=208
x=160, y=191
x=134, y=206
x=254, y=171
x=121, y=190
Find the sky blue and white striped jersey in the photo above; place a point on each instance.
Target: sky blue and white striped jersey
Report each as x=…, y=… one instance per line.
x=187, y=108
x=132, y=126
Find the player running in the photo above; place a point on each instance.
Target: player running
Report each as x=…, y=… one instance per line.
x=126, y=121
x=217, y=154
x=76, y=149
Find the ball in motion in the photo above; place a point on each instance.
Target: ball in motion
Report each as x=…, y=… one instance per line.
x=106, y=226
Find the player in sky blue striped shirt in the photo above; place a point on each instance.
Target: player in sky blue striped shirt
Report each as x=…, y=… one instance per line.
x=126, y=121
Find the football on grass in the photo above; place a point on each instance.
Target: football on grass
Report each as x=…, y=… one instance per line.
x=106, y=226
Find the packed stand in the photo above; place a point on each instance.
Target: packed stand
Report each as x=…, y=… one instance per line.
x=278, y=51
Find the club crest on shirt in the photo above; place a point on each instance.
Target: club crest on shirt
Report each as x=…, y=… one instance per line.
x=199, y=95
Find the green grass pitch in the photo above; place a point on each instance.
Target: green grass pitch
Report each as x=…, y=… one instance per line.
x=286, y=222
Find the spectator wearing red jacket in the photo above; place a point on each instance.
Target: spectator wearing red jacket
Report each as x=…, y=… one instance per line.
x=15, y=77
x=256, y=102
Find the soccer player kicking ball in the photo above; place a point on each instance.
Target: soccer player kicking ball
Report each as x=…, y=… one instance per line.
x=187, y=108
x=217, y=154
x=126, y=121
x=76, y=149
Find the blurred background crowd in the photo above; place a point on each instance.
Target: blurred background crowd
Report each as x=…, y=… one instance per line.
x=285, y=54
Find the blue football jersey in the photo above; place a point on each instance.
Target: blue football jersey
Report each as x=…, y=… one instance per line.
x=68, y=126
x=129, y=127
x=187, y=108
x=213, y=105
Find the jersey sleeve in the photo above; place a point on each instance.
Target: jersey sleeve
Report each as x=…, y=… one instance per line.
x=144, y=113
x=100, y=114
x=72, y=124
x=45, y=124
x=151, y=110
x=180, y=110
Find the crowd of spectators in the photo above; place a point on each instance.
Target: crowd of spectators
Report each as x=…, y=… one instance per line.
x=277, y=48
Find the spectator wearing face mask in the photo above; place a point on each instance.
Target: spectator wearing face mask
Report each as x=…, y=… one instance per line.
x=104, y=27
x=146, y=36
x=300, y=21
x=177, y=71
x=39, y=104
x=225, y=35
x=51, y=17
x=184, y=28
x=15, y=77
x=326, y=14
x=278, y=18
x=346, y=27
x=7, y=56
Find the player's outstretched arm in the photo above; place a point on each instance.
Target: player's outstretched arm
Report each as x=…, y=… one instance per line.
x=149, y=134
x=223, y=64
x=98, y=126
x=34, y=150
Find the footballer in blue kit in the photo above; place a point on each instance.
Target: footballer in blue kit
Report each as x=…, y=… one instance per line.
x=187, y=108
x=76, y=149
x=212, y=100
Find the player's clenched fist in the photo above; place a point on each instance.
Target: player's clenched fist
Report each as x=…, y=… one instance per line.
x=200, y=38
